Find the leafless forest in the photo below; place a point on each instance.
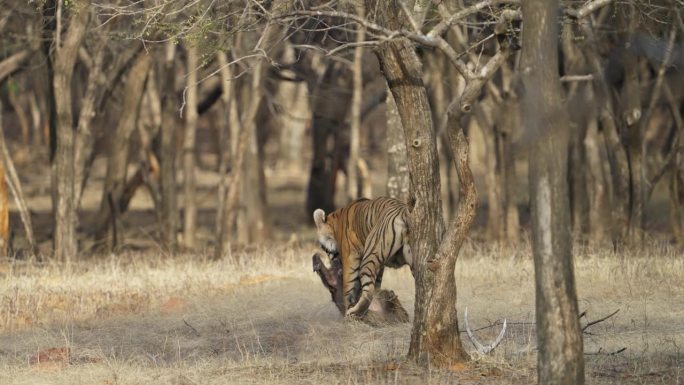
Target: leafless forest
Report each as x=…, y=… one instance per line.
x=161, y=161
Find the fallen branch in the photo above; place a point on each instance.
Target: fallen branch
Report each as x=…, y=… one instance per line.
x=592, y=323
x=602, y=353
x=191, y=327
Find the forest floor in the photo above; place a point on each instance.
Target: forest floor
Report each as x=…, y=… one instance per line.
x=261, y=316
x=266, y=319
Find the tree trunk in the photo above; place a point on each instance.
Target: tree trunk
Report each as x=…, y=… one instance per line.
x=4, y=214
x=21, y=113
x=432, y=341
x=397, y=167
x=190, y=205
x=559, y=339
x=115, y=181
x=64, y=241
x=328, y=121
x=617, y=155
x=167, y=158
x=229, y=124
x=630, y=103
x=357, y=99
x=509, y=120
x=14, y=184
x=493, y=180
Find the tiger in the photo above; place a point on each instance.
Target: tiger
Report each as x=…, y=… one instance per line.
x=365, y=236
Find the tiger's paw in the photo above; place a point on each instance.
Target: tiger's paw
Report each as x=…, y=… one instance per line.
x=359, y=309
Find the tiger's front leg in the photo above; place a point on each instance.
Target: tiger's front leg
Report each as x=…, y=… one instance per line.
x=370, y=278
x=350, y=278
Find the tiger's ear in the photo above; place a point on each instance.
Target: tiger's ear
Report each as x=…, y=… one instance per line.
x=319, y=217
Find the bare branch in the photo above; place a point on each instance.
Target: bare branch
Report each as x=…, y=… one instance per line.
x=587, y=8
x=600, y=352
x=481, y=348
x=12, y=63
x=442, y=27
x=591, y=323
x=577, y=78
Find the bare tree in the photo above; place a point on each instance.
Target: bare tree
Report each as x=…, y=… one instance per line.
x=167, y=158
x=355, y=126
x=559, y=339
x=113, y=202
x=4, y=204
x=12, y=178
x=65, y=54
x=189, y=203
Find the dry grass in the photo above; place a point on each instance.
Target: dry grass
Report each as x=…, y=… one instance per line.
x=149, y=319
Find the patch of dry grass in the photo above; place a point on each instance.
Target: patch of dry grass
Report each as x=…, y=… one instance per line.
x=143, y=319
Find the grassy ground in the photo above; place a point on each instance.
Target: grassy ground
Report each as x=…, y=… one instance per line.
x=150, y=319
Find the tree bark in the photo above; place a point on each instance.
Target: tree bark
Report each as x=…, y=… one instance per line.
x=430, y=341
x=189, y=203
x=559, y=339
x=64, y=241
x=167, y=158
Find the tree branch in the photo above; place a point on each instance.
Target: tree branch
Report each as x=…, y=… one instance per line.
x=442, y=26
x=12, y=63
x=587, y=8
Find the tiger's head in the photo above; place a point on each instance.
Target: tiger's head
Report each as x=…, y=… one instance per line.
x=325, y=234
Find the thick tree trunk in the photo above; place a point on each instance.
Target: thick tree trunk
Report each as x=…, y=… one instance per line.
x=431, y=341
x=117, y=164
x=167, y=158
x=559, y=339
x=64, y=241
x=189, y=184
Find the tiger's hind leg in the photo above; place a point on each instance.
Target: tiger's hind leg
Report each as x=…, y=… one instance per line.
x=383, y=242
